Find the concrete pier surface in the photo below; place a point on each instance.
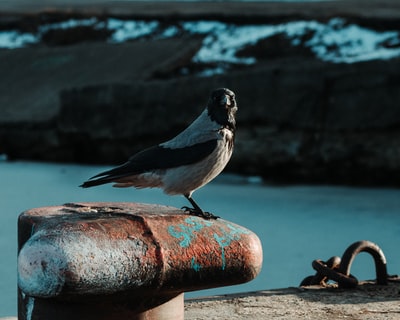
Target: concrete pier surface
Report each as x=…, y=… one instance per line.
x=367, y=301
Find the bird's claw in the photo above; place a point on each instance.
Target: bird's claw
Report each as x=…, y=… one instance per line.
x=200, y=213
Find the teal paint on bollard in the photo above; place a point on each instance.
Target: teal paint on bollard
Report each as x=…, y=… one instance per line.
x=125, y=260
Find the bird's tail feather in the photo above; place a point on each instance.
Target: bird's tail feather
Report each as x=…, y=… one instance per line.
x=107, y=176
x=97, y=182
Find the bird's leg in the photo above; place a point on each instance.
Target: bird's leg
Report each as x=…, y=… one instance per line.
x=196, y=210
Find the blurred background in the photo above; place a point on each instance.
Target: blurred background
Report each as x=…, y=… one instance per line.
x=316, y=166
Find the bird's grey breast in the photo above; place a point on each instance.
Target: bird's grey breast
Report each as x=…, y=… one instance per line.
x=228, y=136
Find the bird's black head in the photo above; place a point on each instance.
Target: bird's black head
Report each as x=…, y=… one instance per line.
x=222, y=108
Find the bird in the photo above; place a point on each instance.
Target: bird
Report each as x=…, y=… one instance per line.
x=186, y=162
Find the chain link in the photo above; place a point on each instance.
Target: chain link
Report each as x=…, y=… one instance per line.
x=338, y=269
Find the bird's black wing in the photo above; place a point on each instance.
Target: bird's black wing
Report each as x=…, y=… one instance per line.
x=153, y=158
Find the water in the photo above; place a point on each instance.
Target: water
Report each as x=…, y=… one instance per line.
x=296, y=224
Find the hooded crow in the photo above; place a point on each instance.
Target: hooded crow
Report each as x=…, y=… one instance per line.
x=187, y=162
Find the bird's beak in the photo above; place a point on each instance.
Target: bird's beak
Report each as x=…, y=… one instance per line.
x=225, y=100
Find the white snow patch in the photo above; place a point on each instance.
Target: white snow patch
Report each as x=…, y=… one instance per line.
x=130, y=29
x=170, y=32
x=71, y=23
x=211, y=72
x=204, y=27
x=15, y=39
x=337, y=42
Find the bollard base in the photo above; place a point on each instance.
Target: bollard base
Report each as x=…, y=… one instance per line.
x=170, y=310
x=156, y=309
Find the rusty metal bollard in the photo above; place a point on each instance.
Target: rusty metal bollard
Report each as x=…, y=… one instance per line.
x=108, y=261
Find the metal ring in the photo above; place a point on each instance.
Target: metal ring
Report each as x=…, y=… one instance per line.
x=372, y=249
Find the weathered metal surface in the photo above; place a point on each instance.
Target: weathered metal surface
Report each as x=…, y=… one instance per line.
x=127, y=252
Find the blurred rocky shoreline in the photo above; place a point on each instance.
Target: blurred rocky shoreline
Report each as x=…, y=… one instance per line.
x=74, y=96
